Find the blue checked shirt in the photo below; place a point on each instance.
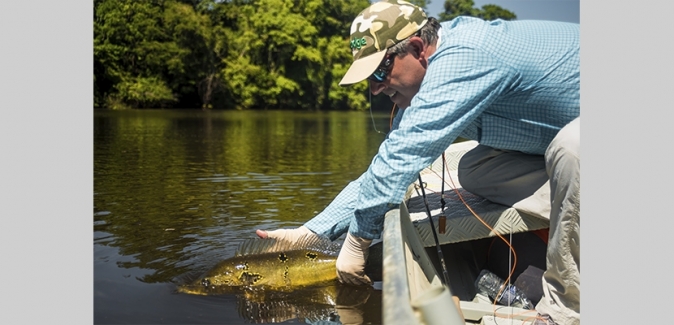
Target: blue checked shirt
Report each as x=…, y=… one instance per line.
x=507, y=84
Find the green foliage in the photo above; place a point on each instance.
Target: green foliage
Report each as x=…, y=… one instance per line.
x=149, y=45
x=150, y=92
x=491, y=12
x=283, y=53
x=235, y=54
x=455, y=8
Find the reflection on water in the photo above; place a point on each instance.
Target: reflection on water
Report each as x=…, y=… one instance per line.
x=177, y=191
x=324, y=305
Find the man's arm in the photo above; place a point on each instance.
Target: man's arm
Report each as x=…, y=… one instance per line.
x=458, y=87
x=451, y=98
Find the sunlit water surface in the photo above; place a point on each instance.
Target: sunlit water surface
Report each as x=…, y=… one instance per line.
x=177, y=191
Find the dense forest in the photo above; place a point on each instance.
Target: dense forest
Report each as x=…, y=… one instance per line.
x=234, y=54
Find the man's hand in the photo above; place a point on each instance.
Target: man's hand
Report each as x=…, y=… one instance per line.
x=351, y=261
x=291, y=235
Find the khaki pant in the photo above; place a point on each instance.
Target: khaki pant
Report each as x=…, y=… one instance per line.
x=544, y=186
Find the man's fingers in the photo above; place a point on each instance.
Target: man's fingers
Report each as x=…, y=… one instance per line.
x=366, y=280
x=353, y=279
x=290, y=235
x=261, y=233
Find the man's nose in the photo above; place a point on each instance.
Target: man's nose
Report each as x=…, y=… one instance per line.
x=376, y=87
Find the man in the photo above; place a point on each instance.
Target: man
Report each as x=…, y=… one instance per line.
x=512, y=86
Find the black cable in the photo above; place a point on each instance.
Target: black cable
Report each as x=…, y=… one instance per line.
x=435, y=235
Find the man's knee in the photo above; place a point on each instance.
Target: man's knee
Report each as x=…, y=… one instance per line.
x=469, y=167
x=565, y=145
x=502, y=176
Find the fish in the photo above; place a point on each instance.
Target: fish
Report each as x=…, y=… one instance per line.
x=271, y=264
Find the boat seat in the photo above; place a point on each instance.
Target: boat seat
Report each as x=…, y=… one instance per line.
x=461, y=224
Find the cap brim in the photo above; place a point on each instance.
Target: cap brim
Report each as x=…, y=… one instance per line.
x=362, y=68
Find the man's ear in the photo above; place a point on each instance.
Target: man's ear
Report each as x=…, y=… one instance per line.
x=417, y=48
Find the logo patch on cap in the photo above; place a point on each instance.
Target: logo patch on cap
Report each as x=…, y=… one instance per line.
x=358, y=43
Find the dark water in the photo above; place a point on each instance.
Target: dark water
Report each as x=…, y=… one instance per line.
x=177, y=191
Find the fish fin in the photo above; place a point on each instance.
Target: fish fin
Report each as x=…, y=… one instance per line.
x=270, y=245
x=186, y=278
x=256, y=246
x=318, y=243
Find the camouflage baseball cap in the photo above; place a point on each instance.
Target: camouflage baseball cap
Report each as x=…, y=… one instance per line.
x=380, y=26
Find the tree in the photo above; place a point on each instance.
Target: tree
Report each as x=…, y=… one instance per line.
x=235, y=54
x=455, y=8
x=197, y=81
x=144, y=53
x=289, y=54
x=491, y=12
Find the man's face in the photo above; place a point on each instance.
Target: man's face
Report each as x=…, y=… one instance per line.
x=403, y=79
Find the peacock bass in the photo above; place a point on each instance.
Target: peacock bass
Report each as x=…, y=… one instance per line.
x=271, y=264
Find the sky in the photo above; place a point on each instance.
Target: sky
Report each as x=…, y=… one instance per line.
x=559, y=10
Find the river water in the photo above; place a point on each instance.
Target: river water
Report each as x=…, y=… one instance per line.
x=176, y=191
